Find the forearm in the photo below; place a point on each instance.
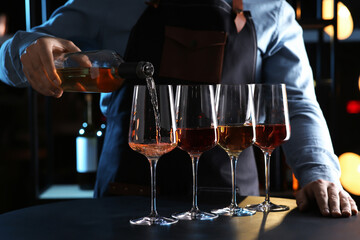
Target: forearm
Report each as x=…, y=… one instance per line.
x=309, y=152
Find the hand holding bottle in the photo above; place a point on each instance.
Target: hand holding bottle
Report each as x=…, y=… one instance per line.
x=38, y=64
x=98, y=71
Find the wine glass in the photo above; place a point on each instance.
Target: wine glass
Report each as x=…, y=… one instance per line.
x=272, y=129
x=235, y=132
x=196, y=133
x=152, y=133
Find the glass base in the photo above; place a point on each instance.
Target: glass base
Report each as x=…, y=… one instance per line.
x=150, y=220
x=195, y=215
x=234, y=211
x=267, y=207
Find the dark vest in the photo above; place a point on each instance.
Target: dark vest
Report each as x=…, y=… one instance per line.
x=187, y=41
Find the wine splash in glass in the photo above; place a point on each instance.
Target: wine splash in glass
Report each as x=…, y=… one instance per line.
x=144, y=138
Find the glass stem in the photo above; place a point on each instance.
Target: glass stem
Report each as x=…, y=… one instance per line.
x=233, y=161
x=267, y=156
x=153, y=163
x=195, y=162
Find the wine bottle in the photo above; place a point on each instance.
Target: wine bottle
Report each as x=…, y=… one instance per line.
x=87, y=145
x=98, y=71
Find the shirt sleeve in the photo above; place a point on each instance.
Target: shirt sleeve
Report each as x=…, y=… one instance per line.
x=76, y=20
x=309, y=152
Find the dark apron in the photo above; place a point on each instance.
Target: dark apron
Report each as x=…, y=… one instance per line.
x=187, y=41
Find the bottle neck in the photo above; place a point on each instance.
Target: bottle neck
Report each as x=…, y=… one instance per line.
x=89, y=113
x=131, y=70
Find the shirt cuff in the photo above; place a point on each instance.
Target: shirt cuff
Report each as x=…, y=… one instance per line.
x=309, y=174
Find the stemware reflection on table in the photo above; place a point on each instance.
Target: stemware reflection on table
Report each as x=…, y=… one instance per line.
x=196, y=133
x=235, y=132
x=152, y=133
x=272, y=129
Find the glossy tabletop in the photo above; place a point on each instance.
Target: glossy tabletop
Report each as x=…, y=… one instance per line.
x=108, y=218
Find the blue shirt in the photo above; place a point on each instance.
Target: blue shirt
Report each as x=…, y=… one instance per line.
x=106, y=24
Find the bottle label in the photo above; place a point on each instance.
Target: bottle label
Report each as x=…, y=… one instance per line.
x=86, y=154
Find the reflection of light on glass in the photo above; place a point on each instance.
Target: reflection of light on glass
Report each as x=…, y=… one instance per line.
x=350, y=172
x=2, y=25
x=345, y=24
x=99, y=133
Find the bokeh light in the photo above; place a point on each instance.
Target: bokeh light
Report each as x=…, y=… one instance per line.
x=350, y=172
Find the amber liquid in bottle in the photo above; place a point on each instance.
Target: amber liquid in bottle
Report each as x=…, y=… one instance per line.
x=89, y=79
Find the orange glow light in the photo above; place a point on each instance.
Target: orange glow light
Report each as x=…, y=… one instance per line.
x=350, y=172
x=295, y=185
x=2, y=25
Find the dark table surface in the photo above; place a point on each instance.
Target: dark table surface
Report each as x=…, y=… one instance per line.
x=108, y=218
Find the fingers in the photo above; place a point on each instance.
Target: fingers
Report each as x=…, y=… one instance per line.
x=334, y=201
x=37, y=77
x=82, y=60
x=341, y=203
x=38, y=64
x=47, y=60
x=69, y=46
x=347, y=203
x=302, y=200
x=319, y=188
x=60, y=46
x=330, y=199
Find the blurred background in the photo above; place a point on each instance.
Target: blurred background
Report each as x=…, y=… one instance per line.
x=38, y=134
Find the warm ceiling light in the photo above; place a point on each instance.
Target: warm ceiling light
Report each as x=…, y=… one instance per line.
x=345, y=24
x=350, y=172
x=327, y=9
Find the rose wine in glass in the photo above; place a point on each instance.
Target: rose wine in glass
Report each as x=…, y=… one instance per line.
x=235, y=133
x=272, y=129
x=152, y=133
x=195, y=134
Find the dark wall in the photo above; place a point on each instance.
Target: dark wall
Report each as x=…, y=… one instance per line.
x=65, y=115
x=15, y=11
